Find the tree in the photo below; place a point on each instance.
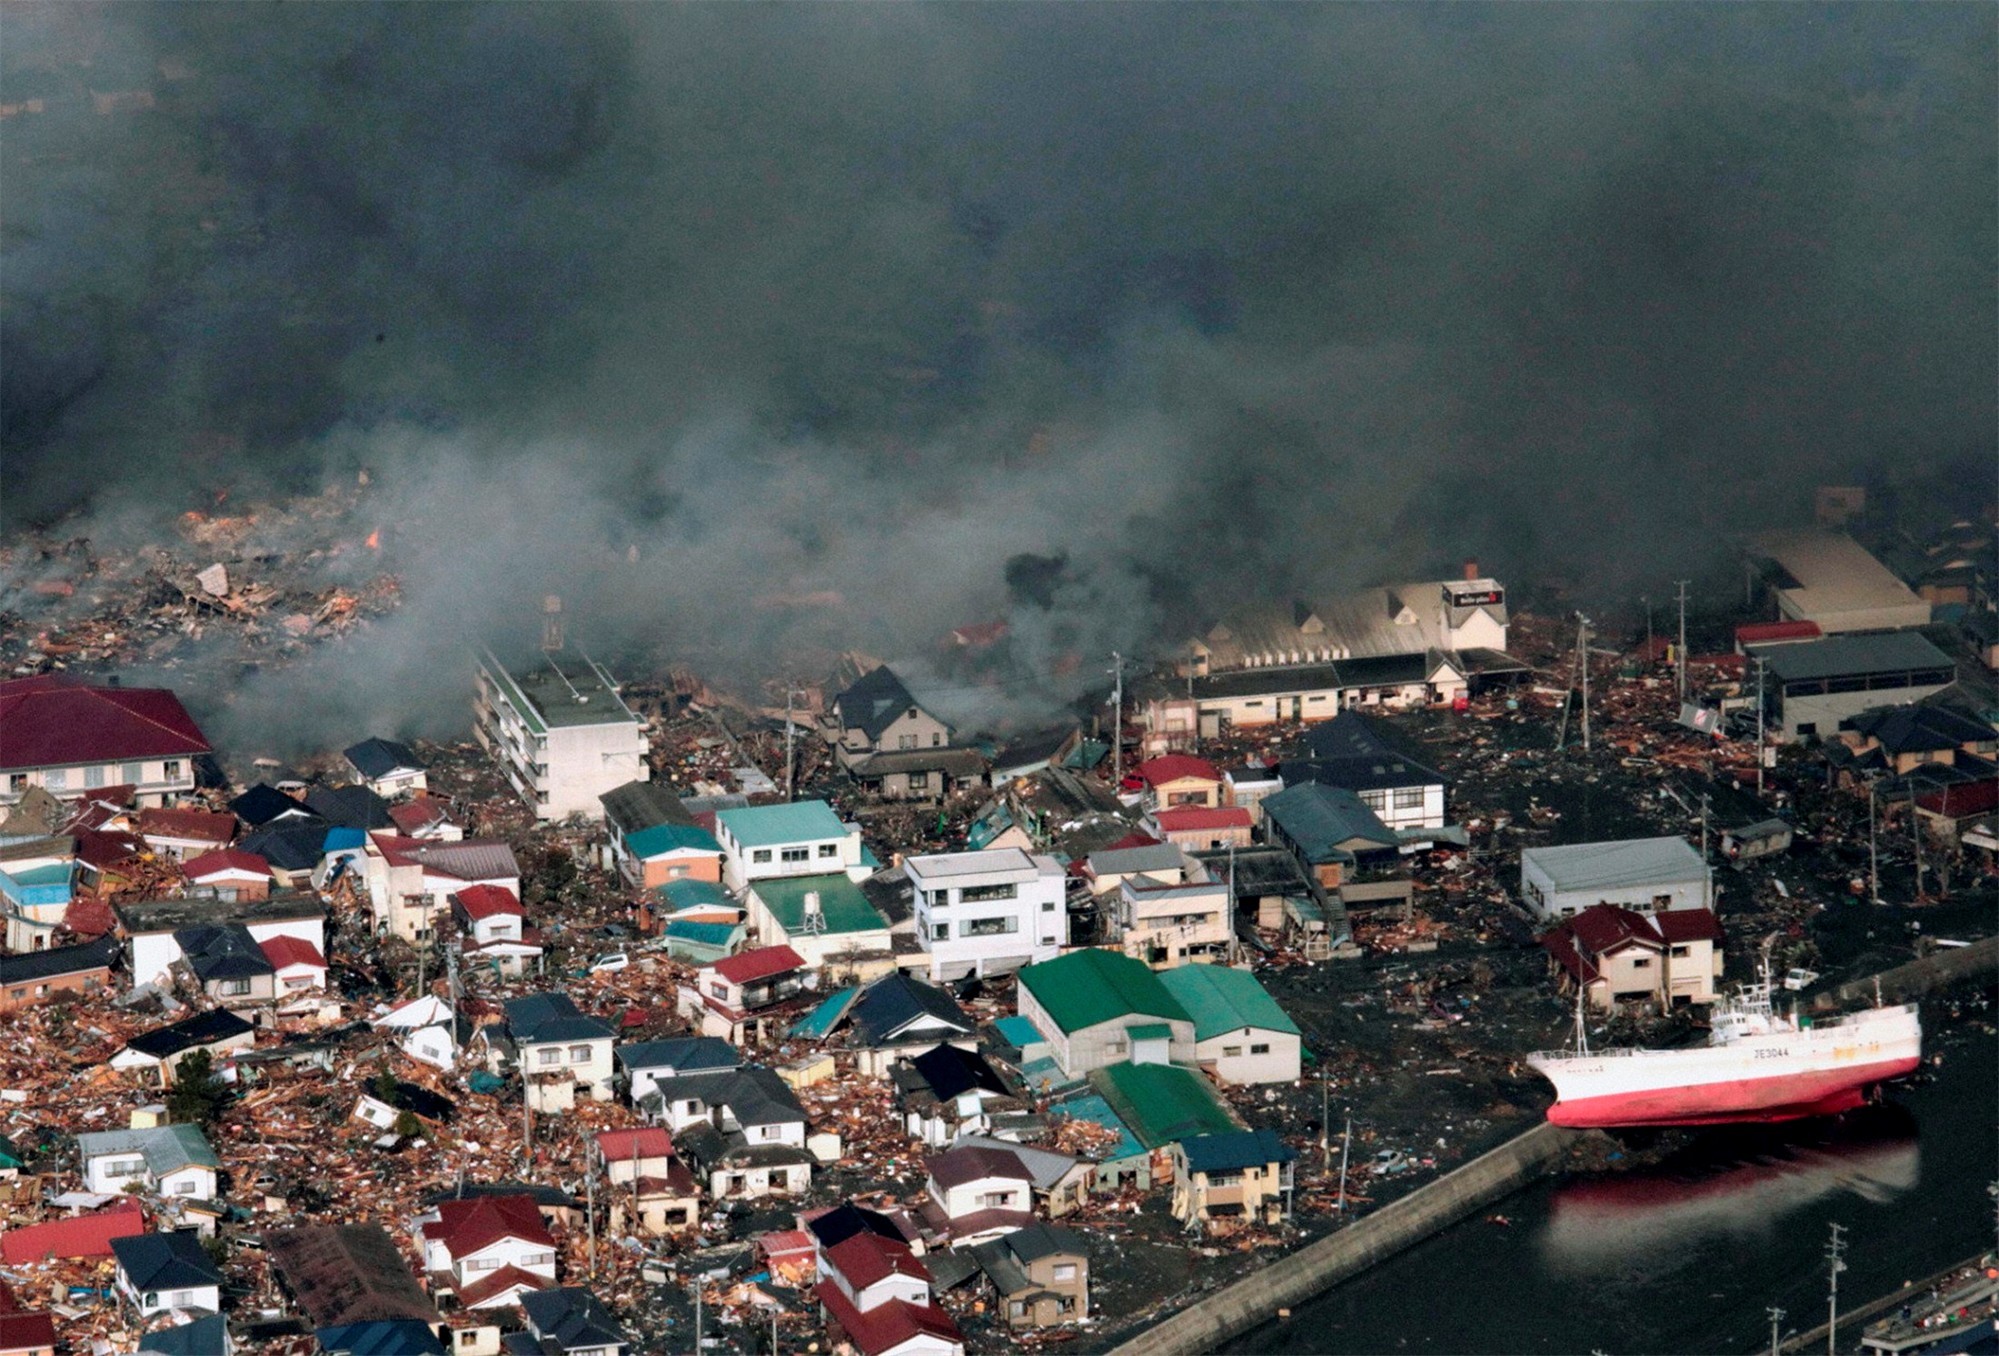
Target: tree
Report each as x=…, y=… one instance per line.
x=198, y=1093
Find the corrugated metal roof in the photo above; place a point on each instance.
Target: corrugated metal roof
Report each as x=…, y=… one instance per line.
x=1220, y=999
x=1850, y=656
x=1634, y=861
x=1084, y=988
x=807, y=821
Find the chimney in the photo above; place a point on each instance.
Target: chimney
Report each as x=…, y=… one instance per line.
x=551, y=623
x=1471, y=567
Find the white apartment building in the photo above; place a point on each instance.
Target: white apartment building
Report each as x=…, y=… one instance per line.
x=806, y=838
x=559, y=731
x=980, y=913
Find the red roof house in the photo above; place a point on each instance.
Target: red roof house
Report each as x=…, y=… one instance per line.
x=888, y=1327
x=54, y=720
x=225, y=863
x=747, y=967
x=488, y=901
x=1618, y=953
x=185, y=830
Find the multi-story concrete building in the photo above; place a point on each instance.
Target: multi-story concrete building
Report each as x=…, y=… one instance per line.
x=1165, y=925
x=559, y=731
x=980, y=913
x=804, y=839
x=1649, y=875
x=1814, y=685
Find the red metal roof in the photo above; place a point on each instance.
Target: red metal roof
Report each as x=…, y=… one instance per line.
x=496, y=1283
x=1687, y=925
x=886, y=1326
x=1577, y=943
x=420, y=813
x=282, y=951
x=1173, y=767
x=223, y=861
x=1765, y=633
x=489, y=901
x=1186, y=818
x=202, y=825
x=620, y=1146
x=54, y=721
x=78, y=1236
x=749, y=966
x=464, y=1227
x=103, y=849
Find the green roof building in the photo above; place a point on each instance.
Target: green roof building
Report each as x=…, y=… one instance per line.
x=761, y=842
x=1163, y=1104
x=822, y=918
x=1239, y=1031
x=1087, y=1004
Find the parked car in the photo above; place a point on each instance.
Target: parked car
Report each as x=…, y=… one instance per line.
x=606, y=964
x=1800, y=979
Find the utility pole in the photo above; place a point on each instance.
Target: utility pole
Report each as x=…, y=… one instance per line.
x=1680, y=654
x=1346, y=1147
x=1835, y=1253
x=1703, y=826
x=590, y=1202
x=697, y=1314
x=1117, y=718
x=1582, y=656
x=790, y=781
x=1325, y=1122
x=1916, y=840
x=1759, y=661
x=1873, y=852
x=1776, y=1319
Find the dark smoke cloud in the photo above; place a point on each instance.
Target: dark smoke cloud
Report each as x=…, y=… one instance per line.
x=862, y=302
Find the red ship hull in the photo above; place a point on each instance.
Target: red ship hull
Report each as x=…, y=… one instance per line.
x=1727, y=1102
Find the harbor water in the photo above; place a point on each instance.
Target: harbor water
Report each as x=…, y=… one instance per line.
x=1687, y=1256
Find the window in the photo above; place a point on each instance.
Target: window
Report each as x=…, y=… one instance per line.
x=1231, y=1051
x=936, y=740
x=992, y=927
x=1662, y=901
x=1048, y=941
x=795, y=854
x=829, y=849
x=183, y=1299
x=1374, y=800
x=717, y=989
x=1224, y=1179
x=1252, y=705
x=538, y=1259
x=979, y=894
x=760, y=855
x=1641, y=962
x=56, y=778
x=469, y=1337
x=1065, y=1271
x=135, y=773
x=186, y=1187
x=907, y=741
x=93, y=776
x=233, y=988
x=1262, y=1049
x=483, y=1264
x=1408, y=797
x=919, y=781
x=996, y=1200
x=301, y=983
x=770, y=1132
x=1680, y=951
x=548, y=1056
x=579, y=1054
x=940, y=932
x=152, y=1300
x=17, y=781
x=1048, y=906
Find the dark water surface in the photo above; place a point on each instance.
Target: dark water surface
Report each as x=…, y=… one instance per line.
x=1685, y=1257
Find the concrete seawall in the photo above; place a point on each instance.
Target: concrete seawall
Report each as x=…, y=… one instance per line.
x=1918, y=977
x=1291, y=1280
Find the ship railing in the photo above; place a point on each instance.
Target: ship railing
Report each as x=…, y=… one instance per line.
x=1615, y=1053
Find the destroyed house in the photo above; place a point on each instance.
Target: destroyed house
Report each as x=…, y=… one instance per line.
x=294, y=850
x=1167, y=924
x=346, y=1275
x=35, y=975
x=350, y=807
x=1100, y=1007
x=79, y=1236
x=230, y=874
x=183, y=833
x=264, y=804
x=1030, y=753
x=558, y=730
x=37, y=889
x=567, y=1321
x=741, y=1132
x=411, y=880
x=728, y=994
x=69, y=736
x=945, y=1091
x=157, y=1053
x=386, y=768
x=878, y=715
x=202, y=1337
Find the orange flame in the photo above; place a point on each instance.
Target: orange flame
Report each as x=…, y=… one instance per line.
x=375, y=540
